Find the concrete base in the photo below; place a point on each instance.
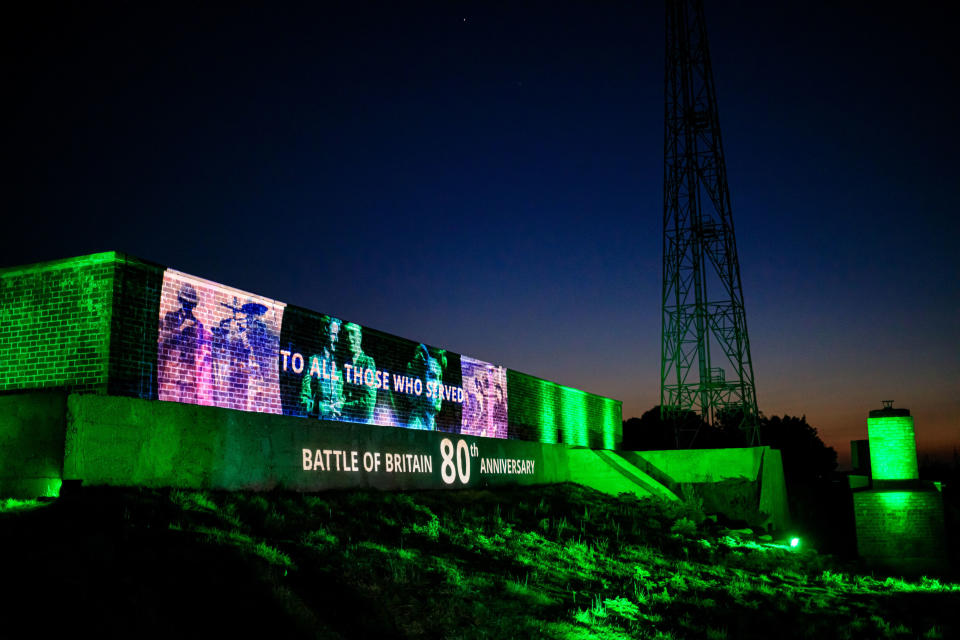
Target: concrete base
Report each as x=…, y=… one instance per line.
x=121, y=441
x=610, y=472
x=744, y=484
x=31, y=444
x=118, y=441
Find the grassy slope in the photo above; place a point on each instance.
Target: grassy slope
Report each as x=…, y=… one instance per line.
x=559, y=561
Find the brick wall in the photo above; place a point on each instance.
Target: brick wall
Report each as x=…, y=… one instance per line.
x=893, y=448
x=55, y=324
x=399, y=363
x=133, y=331
x=110, y=323
x=216, y=346
x=894, y=525
x=549, y=412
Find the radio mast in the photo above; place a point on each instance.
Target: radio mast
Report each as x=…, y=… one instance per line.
x=705, y=367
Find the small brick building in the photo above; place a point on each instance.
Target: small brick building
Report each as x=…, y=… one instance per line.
x=899, y=518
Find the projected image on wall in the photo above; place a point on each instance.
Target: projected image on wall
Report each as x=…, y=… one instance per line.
x=439, y=406
x=217, y=346
x=336, y=370
x=484, y=399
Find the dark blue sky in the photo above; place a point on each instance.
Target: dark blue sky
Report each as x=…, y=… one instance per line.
x=489, y=179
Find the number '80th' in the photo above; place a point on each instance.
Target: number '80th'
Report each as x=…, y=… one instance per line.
x=454, y=463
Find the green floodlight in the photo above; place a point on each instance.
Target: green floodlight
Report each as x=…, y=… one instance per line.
x=794, y=542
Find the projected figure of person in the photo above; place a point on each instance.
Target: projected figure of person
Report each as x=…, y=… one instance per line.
x=182, y=356
x=359, y=392
x=499, y=414
x=231, y=362
x=424, y=410
x=475, y=407
x=241, y=350
x=321, y=391
x=262, y=345
x=222, y=341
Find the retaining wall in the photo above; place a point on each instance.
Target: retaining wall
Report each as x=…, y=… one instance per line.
x=100, y=440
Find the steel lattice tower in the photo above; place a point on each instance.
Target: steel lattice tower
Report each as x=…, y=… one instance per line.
x=705, y=353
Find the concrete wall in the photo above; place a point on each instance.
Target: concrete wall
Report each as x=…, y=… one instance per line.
x=124, y=441
x=743, y=484
x=773, y=490
x=706, y=465
x=612, y=473
x=31, y=444
x=119, y=441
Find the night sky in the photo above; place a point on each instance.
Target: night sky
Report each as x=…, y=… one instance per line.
x=489, y=179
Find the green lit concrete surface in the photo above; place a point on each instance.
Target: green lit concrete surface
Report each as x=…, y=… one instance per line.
x=128, y=442
x=611, y=473
x=103, y=440
x=116, y=441
x=742, y=483
x=31, y=444
x=688, y=465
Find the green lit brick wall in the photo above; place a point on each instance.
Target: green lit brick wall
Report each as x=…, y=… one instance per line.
x=55, y=324
x=893, y=448
x=548, y=412
x=133, y=335
x=896, y=526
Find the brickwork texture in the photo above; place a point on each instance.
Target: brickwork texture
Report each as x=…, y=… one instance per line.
x=899, y=525
x=893, y=448
x=114, y=324
x=133, y=342
x=55, y=324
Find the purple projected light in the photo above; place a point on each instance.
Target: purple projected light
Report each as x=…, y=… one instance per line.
x=485, y=399
x=217, y=346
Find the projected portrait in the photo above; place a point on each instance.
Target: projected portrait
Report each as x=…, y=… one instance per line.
x=334, y=370
x=321, y=388
x=426, y=371
x=360, y=370
x=416, y=385
x=485, y=399
x=217, y=346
